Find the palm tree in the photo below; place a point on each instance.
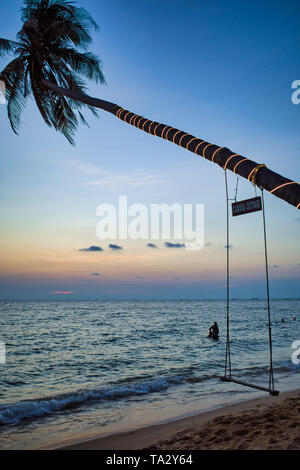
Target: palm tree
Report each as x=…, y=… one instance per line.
x=51, y=46
x=51, y=62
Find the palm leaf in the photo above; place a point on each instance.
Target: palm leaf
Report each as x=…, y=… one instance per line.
x=7, y=46
x=52, y=46
x=15, y=81
x=83, y=63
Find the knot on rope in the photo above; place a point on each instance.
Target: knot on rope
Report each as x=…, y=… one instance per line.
x=253, y=174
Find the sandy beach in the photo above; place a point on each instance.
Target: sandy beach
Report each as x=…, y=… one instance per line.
x=258, y=424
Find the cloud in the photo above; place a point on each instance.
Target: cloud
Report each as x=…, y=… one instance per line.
x=92, y=248
x=115, y=247
x=139, y=277
x=152, y=245
x=121, y=181
x=275, y=266
x=66, y=292
x=174, y=245
x=97, y=176
x=208, y=244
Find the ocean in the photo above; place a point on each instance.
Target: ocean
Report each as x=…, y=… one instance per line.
x=86, y=368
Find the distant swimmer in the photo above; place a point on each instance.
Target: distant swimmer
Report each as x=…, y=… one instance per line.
x=294, y=319
x=214, y=331
x=282, y=320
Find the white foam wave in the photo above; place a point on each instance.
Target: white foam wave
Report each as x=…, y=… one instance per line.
x=15, y=412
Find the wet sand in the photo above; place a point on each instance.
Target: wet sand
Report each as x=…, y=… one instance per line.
x=262, y=423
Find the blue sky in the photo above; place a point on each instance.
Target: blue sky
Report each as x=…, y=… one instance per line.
x=219, y=70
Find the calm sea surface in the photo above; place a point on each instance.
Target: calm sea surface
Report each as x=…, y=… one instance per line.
x=86, y=368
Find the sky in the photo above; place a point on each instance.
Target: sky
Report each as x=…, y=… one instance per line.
x=222, y=71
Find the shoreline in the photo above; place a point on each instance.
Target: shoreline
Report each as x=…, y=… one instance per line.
x=177, y=431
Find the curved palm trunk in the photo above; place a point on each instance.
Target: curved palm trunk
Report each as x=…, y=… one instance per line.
x=258, y=174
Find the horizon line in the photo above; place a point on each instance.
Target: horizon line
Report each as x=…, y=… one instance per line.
x=146, y=300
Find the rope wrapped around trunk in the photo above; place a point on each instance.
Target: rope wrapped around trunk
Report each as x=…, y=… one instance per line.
x=258, y=174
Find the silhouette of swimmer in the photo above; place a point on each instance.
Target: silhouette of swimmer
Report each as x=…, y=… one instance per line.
x=214, y=330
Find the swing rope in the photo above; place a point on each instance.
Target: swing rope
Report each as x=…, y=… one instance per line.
x=227, y=373
x=227, y=354
x=271, y=376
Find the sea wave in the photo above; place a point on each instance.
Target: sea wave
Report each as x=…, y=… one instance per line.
x=13, y=413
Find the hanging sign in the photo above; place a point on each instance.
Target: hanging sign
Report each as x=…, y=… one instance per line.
x=246, y=206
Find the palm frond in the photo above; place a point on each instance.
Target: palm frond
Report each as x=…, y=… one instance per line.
x=65, y=118
x=68, y=31
x=15, y=81
x=7, y=46
x=84, y=63
x=65, y=109
x=42, y=98
x=61, y=20
x=52, y=46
